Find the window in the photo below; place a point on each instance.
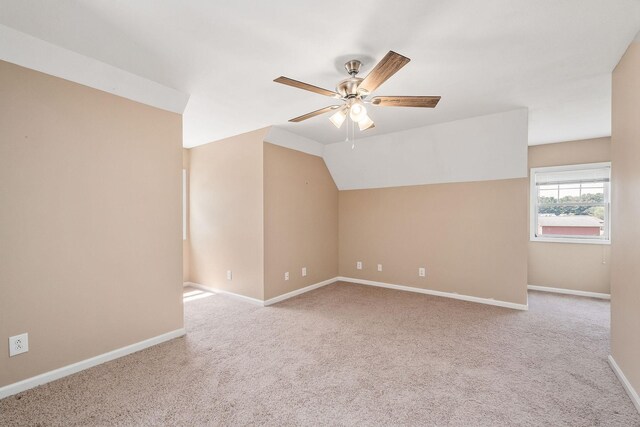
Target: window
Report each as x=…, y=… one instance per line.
x=571, y=203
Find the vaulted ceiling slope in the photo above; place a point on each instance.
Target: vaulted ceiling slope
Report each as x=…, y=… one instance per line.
x=30, y=52
x=481, y=148
x=482, y=57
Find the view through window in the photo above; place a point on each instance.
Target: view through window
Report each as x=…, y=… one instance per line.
x=571, y=203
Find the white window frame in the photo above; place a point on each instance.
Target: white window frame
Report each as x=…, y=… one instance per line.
x=533, y=204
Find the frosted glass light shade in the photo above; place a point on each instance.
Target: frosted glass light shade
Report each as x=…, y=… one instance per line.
x=357, y=111
x=365, y=123
x=338, y=117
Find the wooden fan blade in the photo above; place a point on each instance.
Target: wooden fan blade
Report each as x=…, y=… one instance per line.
x=387, y=67
x=406, y=101
x=300, y=85
x=315, y=113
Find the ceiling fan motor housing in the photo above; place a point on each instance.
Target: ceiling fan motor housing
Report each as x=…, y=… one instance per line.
x=348, y=88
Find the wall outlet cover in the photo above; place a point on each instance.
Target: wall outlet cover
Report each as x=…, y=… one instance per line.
x=229, y=275
x=379, y=267
x=359, y=265
x=286, y=275
x=422, y=272
x=304, y=271
x=18, y=344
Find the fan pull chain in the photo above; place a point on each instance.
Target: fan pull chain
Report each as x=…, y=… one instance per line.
x=353, y=133
x=347, y=127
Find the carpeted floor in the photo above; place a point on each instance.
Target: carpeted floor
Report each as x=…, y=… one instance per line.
x=354, y=355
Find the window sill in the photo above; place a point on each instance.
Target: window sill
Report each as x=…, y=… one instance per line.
x=570, y=240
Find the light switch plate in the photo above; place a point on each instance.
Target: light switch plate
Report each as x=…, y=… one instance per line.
x=379, y=267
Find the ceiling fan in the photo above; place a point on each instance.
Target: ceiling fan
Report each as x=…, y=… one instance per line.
x=354, y=91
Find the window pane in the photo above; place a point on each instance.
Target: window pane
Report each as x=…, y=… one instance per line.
x=548, y=187
x=586, y=225
x=561, y=209
x=547, y=196
x=599, y=185
x=592, y=190
x=570, y=194
x=572, y=185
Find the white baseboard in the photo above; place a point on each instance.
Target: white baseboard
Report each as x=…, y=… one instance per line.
x=625, y=383
x=260, y=302
x=569, y=292
x=223, y=292
x=299, y=291
x=488, y=301
x=46, y=377
x=288, y=295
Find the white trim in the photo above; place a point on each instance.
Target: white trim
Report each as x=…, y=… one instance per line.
x=299, y=291
x=47, y=377
x=223, y=292
x=283, y=138
x=533, y=205
x=489, y=301
x=633, y=395
x=569, y=292
x=269, y=301
x=577, y=240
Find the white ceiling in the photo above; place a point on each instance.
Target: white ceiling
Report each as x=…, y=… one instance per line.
x=553, y=57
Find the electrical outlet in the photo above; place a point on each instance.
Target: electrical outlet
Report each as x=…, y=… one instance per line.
x=286, y=275
x=304, y=271
x=18, y=344
x=229, y=275
x=359, y=265
x=422, y=272
x=379, y=267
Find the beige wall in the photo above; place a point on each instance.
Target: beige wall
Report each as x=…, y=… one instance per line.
x=581, y=267
x=300, y=220
x=226, y=214
x=186, y=156
x=471, y=237
x=89, y=221
x=625, y=257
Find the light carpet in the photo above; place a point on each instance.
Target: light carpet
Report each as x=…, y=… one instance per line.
x=354, y=355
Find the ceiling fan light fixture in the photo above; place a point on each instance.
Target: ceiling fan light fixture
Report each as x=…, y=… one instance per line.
x=353, y=90
x=365, y=123
x=338, y=117
x=357, y=111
